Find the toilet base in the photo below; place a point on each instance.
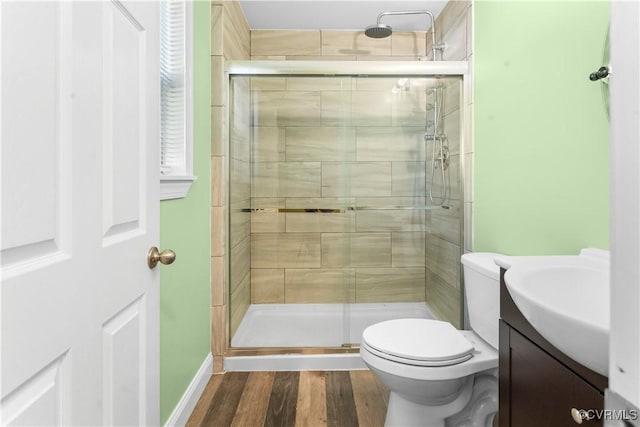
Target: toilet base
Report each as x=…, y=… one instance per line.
x=483, y=405
x=475, y=406
x=402, y=412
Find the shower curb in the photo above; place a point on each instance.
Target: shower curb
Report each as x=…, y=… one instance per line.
x=295, y=362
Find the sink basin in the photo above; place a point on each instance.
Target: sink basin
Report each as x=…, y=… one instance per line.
x=566, y=299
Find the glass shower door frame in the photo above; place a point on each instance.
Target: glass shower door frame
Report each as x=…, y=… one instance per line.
x=400, y=69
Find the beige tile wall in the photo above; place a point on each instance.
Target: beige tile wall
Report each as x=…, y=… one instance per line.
x=230, y=39
x=335, y=45
x=443, y=239
x=317, y=143
x=320, y=285
x=390, y=285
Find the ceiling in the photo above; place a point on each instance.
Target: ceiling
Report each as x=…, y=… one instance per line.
x=336, y=14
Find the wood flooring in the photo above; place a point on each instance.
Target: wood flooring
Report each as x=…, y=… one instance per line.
x=295, y=399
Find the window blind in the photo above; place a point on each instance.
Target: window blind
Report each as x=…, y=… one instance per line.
x=173, y=87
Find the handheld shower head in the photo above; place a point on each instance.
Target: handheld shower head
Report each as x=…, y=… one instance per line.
x=378, y=31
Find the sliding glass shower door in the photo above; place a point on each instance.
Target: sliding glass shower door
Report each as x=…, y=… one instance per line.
x=335, y=189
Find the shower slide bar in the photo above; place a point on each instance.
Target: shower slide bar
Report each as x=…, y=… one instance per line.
x=342, y=210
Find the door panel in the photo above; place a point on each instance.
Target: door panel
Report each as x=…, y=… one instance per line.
x=124, y=114
x=34, y=77
x=79, y=122
x=123, y=363
x=40, y=400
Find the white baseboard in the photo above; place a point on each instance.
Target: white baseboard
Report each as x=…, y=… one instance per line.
x=184, y=408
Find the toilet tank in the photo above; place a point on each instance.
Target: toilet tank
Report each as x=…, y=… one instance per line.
x=482, y=293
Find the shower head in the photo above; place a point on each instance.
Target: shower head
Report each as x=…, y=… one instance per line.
x=378, y=31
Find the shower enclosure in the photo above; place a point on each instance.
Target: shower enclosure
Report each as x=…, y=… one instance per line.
x=345, y=200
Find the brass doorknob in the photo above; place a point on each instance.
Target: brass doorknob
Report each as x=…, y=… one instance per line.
x=166, y=257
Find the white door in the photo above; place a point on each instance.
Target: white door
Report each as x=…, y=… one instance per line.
x=79, y=127
x=624, y=342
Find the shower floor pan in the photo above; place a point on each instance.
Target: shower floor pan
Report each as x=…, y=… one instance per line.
x=311, y=326
x=316, y=325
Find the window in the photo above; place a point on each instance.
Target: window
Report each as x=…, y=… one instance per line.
x=176, y=158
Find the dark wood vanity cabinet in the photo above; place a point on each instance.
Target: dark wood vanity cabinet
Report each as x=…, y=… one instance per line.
x=539, y=385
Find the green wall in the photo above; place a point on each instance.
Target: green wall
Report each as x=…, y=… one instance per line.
x=185, y=321
x=541, y=167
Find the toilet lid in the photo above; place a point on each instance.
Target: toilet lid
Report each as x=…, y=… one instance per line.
x=418, y=341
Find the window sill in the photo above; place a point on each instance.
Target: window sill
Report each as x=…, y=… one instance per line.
x=175, y=187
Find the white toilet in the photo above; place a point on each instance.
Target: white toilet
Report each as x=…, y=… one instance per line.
x=439, y=375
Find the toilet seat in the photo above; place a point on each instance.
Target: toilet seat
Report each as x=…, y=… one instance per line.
x=418, y=342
